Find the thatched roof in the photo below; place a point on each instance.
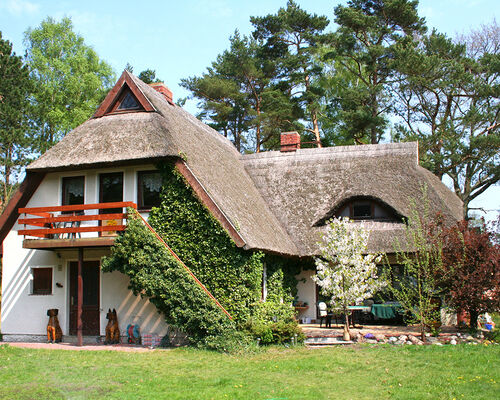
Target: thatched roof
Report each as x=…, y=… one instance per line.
x=274, y=201
x=169, y=131
x=303, y=187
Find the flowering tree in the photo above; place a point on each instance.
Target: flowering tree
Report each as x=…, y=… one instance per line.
x=345, y=273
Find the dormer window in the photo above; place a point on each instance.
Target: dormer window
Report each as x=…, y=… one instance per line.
x=129, y=102
x=363, y=209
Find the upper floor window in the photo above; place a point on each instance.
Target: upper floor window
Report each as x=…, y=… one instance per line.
x=367, y=209
x=148, y=191
x=73, y=190
x=362, y=208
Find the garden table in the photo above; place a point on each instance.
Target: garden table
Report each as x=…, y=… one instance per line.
x=387, y=310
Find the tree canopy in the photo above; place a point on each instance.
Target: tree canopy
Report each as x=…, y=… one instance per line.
x=14, y=137
x=69, y=80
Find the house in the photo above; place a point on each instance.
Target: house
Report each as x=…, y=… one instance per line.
x=65, y=215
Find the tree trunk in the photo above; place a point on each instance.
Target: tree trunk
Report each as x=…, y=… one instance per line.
x=347, y=335
x=474, y=315
x=314, y=117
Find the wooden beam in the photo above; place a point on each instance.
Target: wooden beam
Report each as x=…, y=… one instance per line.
x=49, y=231
x=79, y=207
x=70, y=218
x=79, y=324
x=51, y=244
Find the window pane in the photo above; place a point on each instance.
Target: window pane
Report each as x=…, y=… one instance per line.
x=73, y=190
x=128, y=103
x=42, y=280
x=149, y=189
x=111, y=188
x=362, y=210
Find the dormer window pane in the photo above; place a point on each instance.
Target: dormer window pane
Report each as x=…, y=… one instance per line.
x=361, y=210
x=129, y=103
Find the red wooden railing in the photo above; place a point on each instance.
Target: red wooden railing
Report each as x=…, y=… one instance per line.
x=58, y=221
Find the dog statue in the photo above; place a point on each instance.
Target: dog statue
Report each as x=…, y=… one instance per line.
x=112, y=328
x=54, y=332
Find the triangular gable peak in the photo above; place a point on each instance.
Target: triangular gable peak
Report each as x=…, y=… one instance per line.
x=124, y=97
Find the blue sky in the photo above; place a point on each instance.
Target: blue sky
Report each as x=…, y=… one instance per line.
x=181, y=38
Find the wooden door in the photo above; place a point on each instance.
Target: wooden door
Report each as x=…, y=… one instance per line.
x=91, y=301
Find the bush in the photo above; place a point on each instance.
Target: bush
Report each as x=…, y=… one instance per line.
x=280, y=332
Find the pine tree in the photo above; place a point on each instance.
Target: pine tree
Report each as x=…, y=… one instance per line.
x=364, y=46
x=291, y=38
x=14, y=140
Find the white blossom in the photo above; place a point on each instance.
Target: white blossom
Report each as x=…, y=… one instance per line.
x=344, y=272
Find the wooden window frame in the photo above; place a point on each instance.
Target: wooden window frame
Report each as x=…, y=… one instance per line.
x=140, y=206
x=42, y=291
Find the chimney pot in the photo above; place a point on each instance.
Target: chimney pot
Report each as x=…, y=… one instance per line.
x=290, y=141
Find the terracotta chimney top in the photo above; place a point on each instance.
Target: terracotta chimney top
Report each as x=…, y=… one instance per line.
x=290, y=141
x=164, y=90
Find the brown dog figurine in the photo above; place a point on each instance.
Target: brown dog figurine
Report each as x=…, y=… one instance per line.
x=54, y=332
x=112, y=328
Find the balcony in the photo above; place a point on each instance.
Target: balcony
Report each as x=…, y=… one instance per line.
x=83, y=225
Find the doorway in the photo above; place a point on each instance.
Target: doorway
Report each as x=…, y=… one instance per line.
x=91, y=301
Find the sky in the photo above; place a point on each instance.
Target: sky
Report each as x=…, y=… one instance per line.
x=179, y=39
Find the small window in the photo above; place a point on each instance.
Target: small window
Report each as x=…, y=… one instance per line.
x=129, y=102
x=73, y=189
x=148, y=190
x=42, y=281
x=361, y=210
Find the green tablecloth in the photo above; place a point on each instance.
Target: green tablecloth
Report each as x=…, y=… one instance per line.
x=386, y=311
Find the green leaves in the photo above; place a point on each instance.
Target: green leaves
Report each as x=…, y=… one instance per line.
x=15, y=141
x=68, y=77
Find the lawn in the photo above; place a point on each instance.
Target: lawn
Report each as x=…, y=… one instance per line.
x=360, y=372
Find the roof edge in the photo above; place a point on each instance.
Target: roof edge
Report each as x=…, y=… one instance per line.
x=209, y=202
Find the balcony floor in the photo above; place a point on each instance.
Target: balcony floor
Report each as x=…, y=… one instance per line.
x=51, y=244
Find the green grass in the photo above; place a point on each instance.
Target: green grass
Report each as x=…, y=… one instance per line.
x=361, y=372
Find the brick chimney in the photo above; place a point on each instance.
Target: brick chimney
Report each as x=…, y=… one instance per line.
x=290, y=141
x=164, y=90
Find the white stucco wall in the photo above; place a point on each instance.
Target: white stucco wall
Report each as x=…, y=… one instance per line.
x=306, y=292
x=24, y=313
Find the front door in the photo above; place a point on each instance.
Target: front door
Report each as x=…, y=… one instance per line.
x=90, y=308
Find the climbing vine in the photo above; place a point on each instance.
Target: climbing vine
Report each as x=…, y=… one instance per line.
x=231, y=274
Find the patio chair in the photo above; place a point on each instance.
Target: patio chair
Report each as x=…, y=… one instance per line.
x=324, y=315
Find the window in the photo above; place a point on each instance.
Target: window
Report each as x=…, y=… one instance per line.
x=111, y=187
x=73, y=189
x=148, y=190
x=129, y=102
x=42, y=281
x=126, y=102
x=363, y=208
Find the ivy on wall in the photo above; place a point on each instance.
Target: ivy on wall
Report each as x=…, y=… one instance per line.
x=231, y=274
x=154, y=273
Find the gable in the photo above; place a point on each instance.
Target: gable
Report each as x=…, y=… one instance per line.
x=125, y=97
